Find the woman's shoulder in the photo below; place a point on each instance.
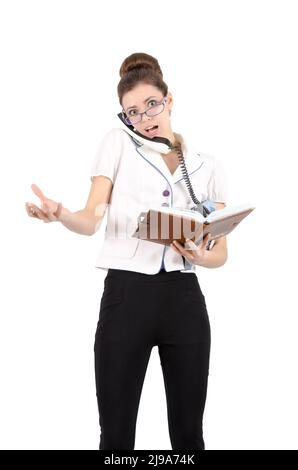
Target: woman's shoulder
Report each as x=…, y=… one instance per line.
x=209, y=159
x=115, y=132
x=116, y=135
x=114, y=138
x=191, y=147
x=205, y=158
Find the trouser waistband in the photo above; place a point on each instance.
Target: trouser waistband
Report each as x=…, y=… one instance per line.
x=162, y=275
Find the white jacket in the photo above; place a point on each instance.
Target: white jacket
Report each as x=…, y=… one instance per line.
x=141, y=179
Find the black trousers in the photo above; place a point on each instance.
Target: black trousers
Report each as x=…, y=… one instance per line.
x=137, y=312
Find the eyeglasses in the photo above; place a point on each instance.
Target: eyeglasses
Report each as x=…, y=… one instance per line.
x=151, y=111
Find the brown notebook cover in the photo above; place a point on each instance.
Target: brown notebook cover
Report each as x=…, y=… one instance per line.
x=165, y=225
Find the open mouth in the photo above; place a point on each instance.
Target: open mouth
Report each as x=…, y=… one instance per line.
x=151, y=130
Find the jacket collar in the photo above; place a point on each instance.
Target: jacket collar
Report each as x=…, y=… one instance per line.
x=193, y=160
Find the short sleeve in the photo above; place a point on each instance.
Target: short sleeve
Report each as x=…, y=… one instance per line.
x=107, y=156
x=218, y=183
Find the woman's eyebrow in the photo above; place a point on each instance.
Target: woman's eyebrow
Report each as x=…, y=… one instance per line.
x=143, y=102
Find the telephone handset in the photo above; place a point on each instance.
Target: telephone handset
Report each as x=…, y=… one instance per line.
x=164, y=145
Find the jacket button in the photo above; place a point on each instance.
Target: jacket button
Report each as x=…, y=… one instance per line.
x=166, y=192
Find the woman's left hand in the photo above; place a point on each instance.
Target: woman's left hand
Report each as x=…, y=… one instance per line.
x=195, y=254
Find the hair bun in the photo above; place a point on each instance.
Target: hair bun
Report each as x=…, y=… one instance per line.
x=139, y=60
x=140, y=68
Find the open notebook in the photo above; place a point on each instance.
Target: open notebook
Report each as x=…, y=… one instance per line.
x=165, y=224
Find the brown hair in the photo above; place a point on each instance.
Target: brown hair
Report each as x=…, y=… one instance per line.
x=140, y=68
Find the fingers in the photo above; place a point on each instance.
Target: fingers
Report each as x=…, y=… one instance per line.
x=58, y=210
x=36, y=212
x=47, y=212
x=206, y=240
x=38, y=191
x=174, y=248
x=190, y=246
x=52, y=215
x=180, y=250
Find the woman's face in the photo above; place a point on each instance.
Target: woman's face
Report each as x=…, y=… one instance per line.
x=142, y=97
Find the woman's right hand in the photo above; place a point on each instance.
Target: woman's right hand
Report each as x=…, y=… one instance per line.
x=50, y=210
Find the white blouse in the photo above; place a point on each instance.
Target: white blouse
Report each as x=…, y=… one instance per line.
x=141, y=180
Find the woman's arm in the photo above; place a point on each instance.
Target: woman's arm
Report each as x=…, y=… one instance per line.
x=82, y=221
x=88, y=220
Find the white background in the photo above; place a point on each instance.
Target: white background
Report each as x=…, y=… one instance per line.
x=232, y=69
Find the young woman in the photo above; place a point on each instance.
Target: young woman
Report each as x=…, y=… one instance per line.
x=151, y=295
